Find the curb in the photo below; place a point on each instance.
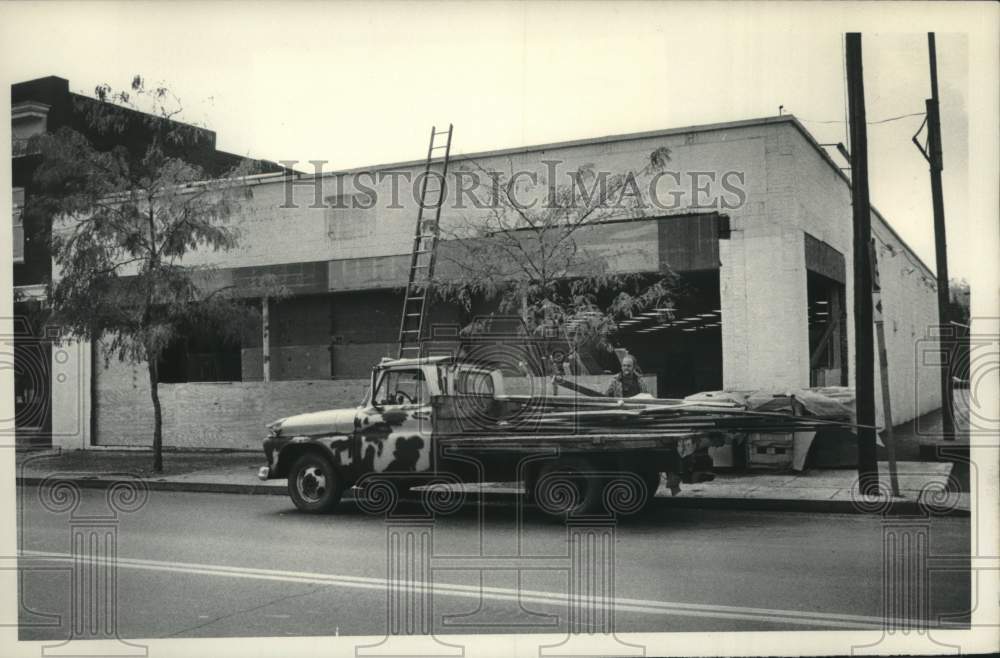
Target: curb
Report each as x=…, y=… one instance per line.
x=166, y=485
x=904, y=507
x=891, y=508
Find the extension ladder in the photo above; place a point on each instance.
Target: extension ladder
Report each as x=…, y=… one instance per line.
x=425, y=239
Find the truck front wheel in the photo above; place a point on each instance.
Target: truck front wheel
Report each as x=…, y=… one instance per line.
x=313, y=484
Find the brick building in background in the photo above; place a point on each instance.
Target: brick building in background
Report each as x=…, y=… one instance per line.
x=768, y=269
x=40, y=106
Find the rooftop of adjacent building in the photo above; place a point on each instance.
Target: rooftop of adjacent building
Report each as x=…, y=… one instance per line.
x=49, y=99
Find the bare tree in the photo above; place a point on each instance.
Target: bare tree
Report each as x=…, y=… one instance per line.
x=531, y=251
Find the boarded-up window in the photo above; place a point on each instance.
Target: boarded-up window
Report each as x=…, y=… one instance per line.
x=18, y=223
x=823, y=259
x=690, y=243
x=369, y=273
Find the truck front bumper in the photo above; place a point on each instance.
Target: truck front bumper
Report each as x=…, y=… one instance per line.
x=271, y=449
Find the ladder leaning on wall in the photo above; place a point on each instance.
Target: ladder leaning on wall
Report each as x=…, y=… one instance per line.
x=425, y=239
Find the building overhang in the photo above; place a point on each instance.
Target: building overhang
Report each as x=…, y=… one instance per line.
x=29, y=110
x=27, y=119
x=34, y=292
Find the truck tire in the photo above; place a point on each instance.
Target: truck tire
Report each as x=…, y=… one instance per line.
x=651, y=482
x=313, y=484
x=568, y=486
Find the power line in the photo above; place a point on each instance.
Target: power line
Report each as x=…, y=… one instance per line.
x=902, y=116
x=870, y=123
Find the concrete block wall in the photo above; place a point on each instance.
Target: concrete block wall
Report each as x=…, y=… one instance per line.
x=232, y=415
x=909, y=302
x=229, y=415
x=823, y=203
x=762, y=279
x=765, y=339
x=287, y=362
x=272, y=234
x=355, y=359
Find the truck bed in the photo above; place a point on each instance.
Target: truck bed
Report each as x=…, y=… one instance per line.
x=534, y=442
x=525, y=422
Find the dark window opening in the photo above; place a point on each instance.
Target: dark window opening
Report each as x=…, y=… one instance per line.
x=201, y=357
x=683, y=347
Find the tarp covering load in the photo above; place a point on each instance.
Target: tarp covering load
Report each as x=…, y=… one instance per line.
x=829, y=402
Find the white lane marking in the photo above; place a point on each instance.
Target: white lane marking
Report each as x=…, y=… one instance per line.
x=832, y=620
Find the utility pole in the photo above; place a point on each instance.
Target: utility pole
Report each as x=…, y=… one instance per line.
x=883, y=369
x=934, y=158
x=864, y=362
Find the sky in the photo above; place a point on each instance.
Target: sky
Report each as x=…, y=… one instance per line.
x=359, y=84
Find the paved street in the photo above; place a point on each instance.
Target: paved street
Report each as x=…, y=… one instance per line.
x=211, y=565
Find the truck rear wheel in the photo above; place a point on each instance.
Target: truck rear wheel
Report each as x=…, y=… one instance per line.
x=568, y=486
x=313, y=484
x=650, y=482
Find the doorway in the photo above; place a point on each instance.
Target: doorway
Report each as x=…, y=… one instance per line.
x=827, y=317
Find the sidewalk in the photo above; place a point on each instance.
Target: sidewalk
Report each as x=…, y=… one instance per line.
x=924, y=486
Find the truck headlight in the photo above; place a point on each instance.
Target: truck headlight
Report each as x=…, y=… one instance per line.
x=274, y=429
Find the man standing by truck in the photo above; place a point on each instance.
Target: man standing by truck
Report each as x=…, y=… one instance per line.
x=627, y=383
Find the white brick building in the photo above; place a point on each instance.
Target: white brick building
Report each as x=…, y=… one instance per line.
x=766, y=293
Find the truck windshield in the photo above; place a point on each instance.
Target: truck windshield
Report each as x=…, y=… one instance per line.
x=401, y=387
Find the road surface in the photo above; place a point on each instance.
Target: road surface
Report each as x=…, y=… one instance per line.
x=217, y=565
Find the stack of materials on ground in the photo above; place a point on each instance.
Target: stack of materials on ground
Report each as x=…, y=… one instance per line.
x=832, y=446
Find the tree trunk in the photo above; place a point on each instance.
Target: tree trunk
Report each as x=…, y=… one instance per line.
x=157, y=417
